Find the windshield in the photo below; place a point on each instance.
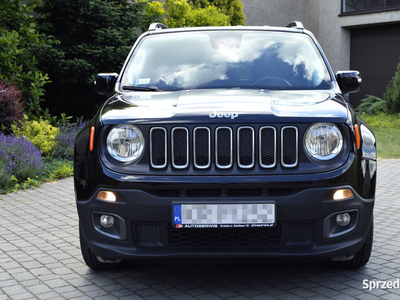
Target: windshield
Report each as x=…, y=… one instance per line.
x=226, y=59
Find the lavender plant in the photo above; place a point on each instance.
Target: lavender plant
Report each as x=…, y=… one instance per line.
x=19, y=158
x=5, y=176
x=65, y=140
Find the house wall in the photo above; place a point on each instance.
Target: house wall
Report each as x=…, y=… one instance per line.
x=320, y=17
x=273, y=12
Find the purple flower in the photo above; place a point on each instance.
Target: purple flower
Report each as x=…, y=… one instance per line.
x=19, y=157
x=65, y=139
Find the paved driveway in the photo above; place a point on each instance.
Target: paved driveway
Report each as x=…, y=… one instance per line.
x=40, y=258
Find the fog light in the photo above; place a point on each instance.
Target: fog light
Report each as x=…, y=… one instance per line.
x=107, y=196
x=343, y=194
x=106, y=221
x=343, y=219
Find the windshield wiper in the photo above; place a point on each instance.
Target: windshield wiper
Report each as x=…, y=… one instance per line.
x=141, y=88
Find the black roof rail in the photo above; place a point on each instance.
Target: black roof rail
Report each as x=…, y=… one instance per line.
x=157, y=26
x=296, y=24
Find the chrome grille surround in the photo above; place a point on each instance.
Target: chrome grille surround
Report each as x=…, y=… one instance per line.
x=285, y=149
x=241, y=148
x=261, y=141
x=197, y=164
x=214, y=147
x=175, y=148
x=218, y=157
x=152, y=150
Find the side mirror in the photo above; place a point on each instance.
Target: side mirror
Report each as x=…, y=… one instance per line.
x=105, y=83
x=349, y=81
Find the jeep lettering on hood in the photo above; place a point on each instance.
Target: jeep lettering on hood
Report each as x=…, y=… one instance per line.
x=228, y=115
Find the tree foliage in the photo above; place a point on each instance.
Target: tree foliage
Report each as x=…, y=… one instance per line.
x=19, y=41
x=95, y=36
x=392, y=95
x=179, y=13
x=232, y=8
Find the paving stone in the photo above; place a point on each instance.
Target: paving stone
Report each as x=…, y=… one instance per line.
x=72, y=294
x=147, y=292
x=96, y=293
x=23, y=296
x=196, y=292
x=239, y=298
x=38, y=289
x=133, y=297
x=7, y=282
x=123, y=292
x=3, y=296
x=250, y=292
x=367, y=297
x=14, y=290
x=208, y=297
x=302, y=292
x=41, y=259
x=155, y=297
x=55, y=283
x=48, y=295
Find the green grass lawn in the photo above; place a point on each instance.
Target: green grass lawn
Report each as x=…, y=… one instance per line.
x=388, y=142
x=387, y=132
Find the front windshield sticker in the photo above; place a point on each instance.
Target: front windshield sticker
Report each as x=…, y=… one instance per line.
x=143, y=81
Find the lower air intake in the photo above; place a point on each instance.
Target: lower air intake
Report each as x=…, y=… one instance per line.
x=148, y=234
x=224, y=237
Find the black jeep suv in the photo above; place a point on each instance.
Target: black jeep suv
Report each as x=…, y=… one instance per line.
x=226, y=141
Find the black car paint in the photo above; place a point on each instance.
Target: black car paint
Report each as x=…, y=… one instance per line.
x=122, y=109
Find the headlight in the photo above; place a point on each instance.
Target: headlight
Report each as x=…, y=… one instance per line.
x=323, y=141
x=125, y=143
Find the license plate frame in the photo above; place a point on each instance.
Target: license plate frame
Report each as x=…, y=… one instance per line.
x=216, y=215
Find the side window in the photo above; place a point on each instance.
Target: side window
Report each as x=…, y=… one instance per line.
x=360, y=6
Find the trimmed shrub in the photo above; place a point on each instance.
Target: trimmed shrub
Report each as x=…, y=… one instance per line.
x=65, y=140
x=11, y=106
x=392, y=95
x=19, y=158
x=371, y=105
x=40, y=133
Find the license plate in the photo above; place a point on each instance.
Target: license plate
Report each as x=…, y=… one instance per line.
x=223, y=215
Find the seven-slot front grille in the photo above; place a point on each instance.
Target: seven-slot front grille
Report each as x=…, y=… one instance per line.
x=204, y=146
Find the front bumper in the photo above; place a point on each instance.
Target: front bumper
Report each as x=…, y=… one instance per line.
x=301, y=217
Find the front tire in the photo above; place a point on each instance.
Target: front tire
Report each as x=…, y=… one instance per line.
x=362, y=256
x=91, y=259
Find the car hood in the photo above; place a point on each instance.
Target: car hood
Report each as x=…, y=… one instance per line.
x=224, y=106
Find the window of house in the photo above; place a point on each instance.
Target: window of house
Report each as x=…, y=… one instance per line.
x=354, y=6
